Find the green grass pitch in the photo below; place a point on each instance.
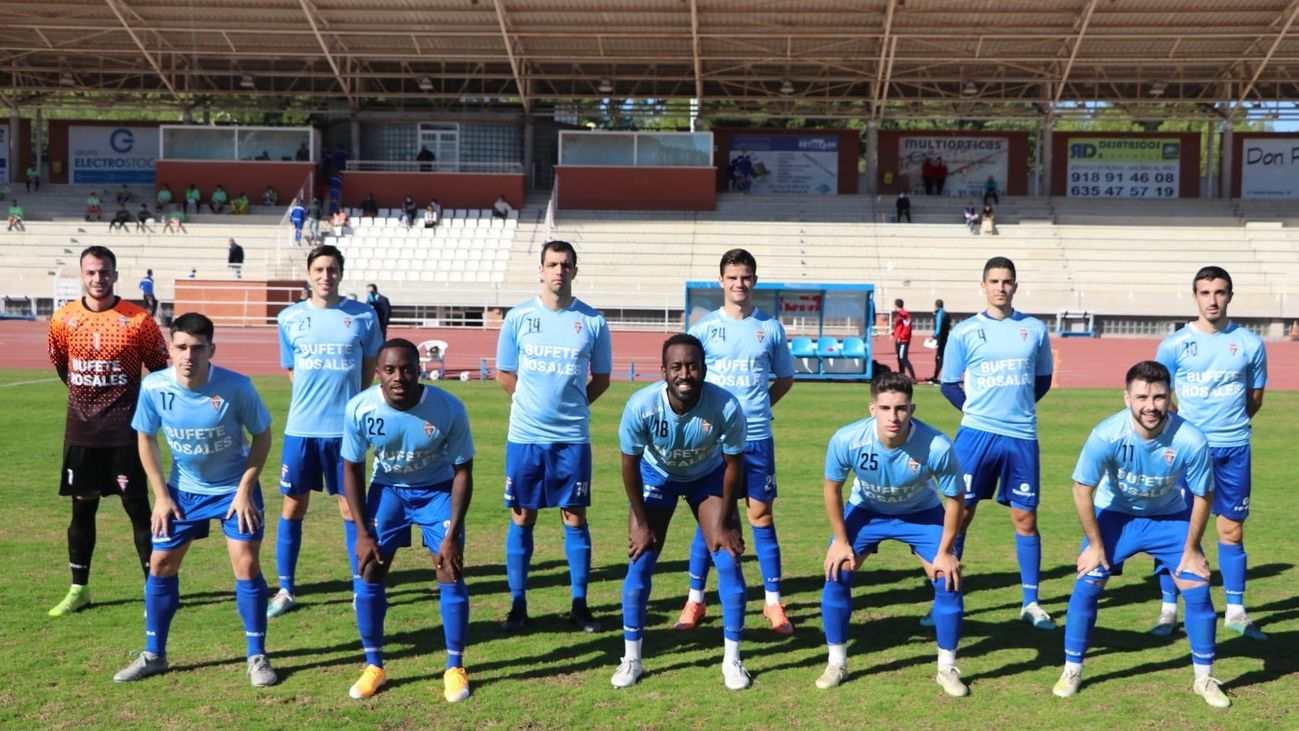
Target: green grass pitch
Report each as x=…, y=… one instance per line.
x=59, y=670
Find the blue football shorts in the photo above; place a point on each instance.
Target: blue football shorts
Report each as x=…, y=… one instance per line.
x=393, y=510
x=661, y=493
x=989, y=459
x=310, y=463
x=547, y=475
x=199, y=511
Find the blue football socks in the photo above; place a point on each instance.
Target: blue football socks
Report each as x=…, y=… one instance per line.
x=1200, y=623
x=161, y=600
x=1168, y=590
x=1028, y=550
x=577, y=547
x=518, y=557
x=454, y=599
x=250, y=598
x=949, y=610
x=836, y=608
x=1081, y=618
x=288, y=543
x=1231, y=562
x=700, y=560
x=768, y=550
x=731, y=591
x=635, y=594
x=371, y=608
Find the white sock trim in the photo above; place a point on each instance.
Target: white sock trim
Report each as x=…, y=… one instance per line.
x=696, y=595
x=631, y=649
x=946, y=658
x=730, y=650
x=838, y=654
x=773, y=598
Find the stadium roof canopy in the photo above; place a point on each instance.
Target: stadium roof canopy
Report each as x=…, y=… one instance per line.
x=871, y=58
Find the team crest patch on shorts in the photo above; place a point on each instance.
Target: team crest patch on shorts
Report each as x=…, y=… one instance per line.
x=284, y=472
x=216, y=403
x=122, y=482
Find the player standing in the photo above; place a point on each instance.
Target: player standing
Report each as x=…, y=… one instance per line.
x=682, y=437
x=744, y=349
x=908, y=489
x=1219, y=372
x=1126, y=494
x=1004, y=359
x=423, y=475
x=203, y=411
x=902, y=339
x=546, y=348
x=329, y=345
x=97, y=345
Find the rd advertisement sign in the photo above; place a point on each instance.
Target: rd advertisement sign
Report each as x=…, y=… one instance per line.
x=1124, y=167
x=112, y=155
x=1269, y=168
x=969, y=162
x=797, y=164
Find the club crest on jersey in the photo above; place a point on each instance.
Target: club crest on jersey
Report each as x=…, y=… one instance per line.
x=1232, y=348
x=1023, y=333
x=216, y=403
x=429, y=429
x=122, y=482
x=1169, y=456
x=914, y=465
x=577, y=327
x=347, y=322
x=707, y=426
x=123, y=323
x=761, y=335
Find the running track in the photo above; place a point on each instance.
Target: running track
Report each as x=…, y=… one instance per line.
x=1081, y=363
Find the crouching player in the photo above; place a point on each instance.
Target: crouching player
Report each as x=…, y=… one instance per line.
x=682, y=438
x=203, y=410
x=1126, y=494
x=423, y=475
x=908, y=489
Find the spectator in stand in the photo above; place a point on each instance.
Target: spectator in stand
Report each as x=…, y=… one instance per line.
x=33, y=178
x=16, y=214
x=335, y=193
x=744, y=171
x=125, y=197
x=971, y=217
x=425, y=158
x=432, y=214
x=990, y=191
x=382, y=308
x=175, y=222
x=902, y=339
x=988, y=222
x=270, y=197
x=297, y=217
x=239, y=206
x=217, y=203
x=940, y=175
x=303, y=154
x=408, y=210
x=193, y=196
x=501, y=208
x=235, y=259
x=146, y=291
x=369, y=206
x=338, y=221
x=120, y=219
x=313, y=220
x=903, y=206
x=94, y=207
x=193, y=273
x=928, y=174
x=266, y=155
x=164, y=197
x=143, y=218
x=340, y=159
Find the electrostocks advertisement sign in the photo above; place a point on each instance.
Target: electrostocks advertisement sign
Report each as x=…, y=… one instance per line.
x=112, y=155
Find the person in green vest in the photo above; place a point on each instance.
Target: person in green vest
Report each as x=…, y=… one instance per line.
x=175, y=222
x=164, y=198
x=33, y=178
x=217, y=203
x=192, y=198
x=94, y=207
x=239, y=206
x=16, y=217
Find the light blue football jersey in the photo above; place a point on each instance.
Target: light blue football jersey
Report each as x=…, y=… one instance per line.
x=552, y=352
x=741, y=356
x=1139, y=476
x=999, y=360
x=682, y=447
x=1212, y=374
x=325, y=347
x=898, y=481
x=415, y=448
x=204, y=428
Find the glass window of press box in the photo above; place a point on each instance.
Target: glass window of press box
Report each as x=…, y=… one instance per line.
x=270, y=144
x=636, y=149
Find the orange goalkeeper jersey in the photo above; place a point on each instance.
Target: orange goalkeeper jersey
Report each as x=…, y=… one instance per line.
x=99, y=356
